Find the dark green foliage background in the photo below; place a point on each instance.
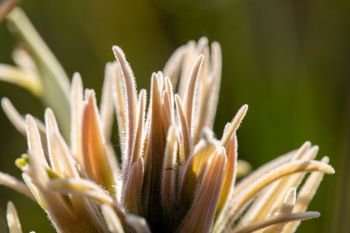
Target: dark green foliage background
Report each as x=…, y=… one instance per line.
x=289, y=60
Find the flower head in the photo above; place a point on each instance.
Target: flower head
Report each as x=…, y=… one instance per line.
x=173, y=174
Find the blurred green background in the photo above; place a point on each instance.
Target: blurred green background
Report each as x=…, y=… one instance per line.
x=289, y=60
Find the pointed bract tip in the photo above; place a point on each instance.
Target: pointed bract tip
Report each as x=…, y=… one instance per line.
x=29, y=119
x=6, y=104
x=242, y=112
x=50, y=121
x=315, y=149
x=325, y=159
x=10, y=206
x=306, y=144
x=13, y=222
x=5, y=101
x=236, y=122
x=330, y=169
x=216, y=44
x=244, y=108
x=315, y=214
x=76, y=77
x=143, y=92
x=203, y=40
x=118, y=52
x=49, y=113
x=89, y=95
x=305, y=147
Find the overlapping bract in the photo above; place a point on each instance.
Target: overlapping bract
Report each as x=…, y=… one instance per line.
x=173, y=174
